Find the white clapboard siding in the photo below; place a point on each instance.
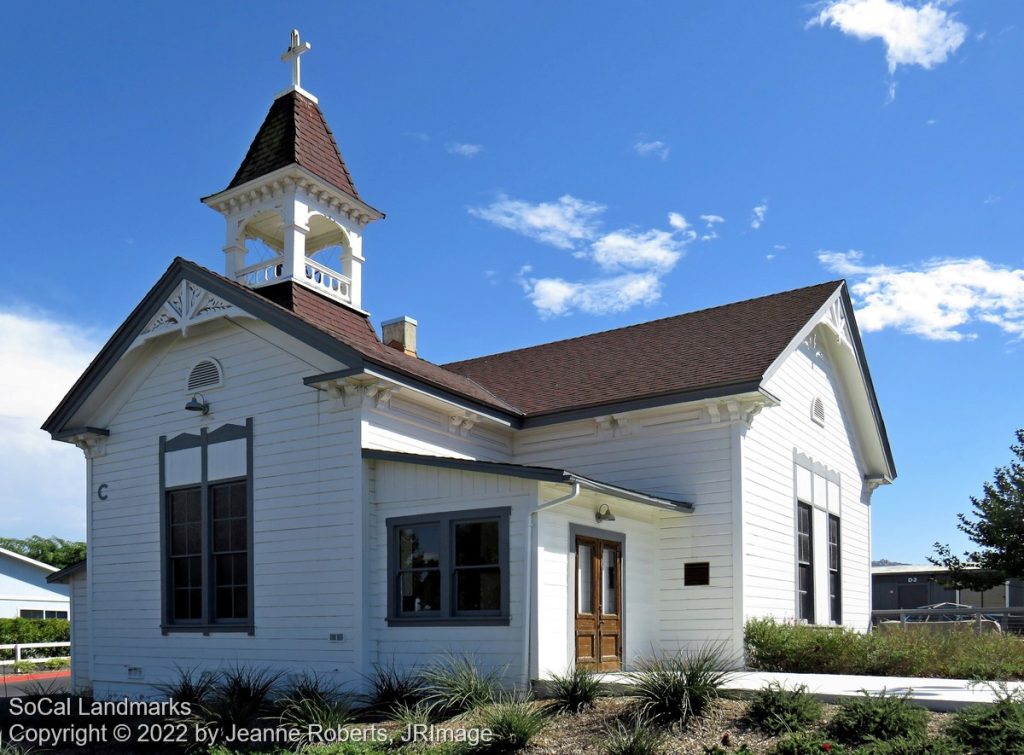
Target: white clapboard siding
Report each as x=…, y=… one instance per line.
x=409, y=428
x=306, y=515
x=675, y=454
x=769, y=497
x=81, y=650
x=399, y=489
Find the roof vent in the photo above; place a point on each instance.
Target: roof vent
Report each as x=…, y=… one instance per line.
x=400, y=334
x=818, y=411
x=206, y=374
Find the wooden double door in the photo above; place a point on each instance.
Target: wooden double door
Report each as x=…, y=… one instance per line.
x=598, y=604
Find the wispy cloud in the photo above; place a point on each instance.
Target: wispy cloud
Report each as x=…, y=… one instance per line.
x=418, y=136
x=463, y=150
x=710, y=221
x=630, y=263
x=936, y=299
x=924, y=34
x=49, y=354
x=651, y=149
x=562, y=223
x=758, y=214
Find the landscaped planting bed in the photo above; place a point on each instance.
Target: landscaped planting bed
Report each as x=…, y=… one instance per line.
x=674, y=706
x=802, y=649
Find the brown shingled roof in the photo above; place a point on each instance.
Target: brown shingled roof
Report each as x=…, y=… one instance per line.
x=295, y=133
x=726, y=345
x=356, y=330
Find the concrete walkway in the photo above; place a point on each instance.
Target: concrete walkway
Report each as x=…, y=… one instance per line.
x=934, y=694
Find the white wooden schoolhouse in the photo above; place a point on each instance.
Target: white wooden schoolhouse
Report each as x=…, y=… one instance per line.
x=273, y=482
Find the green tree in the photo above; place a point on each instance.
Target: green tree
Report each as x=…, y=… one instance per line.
x=55, y=551
x=996, y=528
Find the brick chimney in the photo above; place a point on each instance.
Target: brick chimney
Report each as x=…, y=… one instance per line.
x=400, y=333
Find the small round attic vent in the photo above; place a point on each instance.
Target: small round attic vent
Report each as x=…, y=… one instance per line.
x=206, y=374
x=818, y=411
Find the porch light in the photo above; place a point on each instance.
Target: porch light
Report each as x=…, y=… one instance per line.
x=198, y=403
x=604, y=514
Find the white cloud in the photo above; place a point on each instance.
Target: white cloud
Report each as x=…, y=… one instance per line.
x=710, y=221
x=562, y=223
x=639, y=250
x=464, y=150
x=44, y=481
x=758, y=215
x=677, y=221
x=651, y=149
x=924, y=35
x=555, y=296
x=631, y=262
x=937, y=299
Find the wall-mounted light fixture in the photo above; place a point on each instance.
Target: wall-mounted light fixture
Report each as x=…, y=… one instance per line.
x=604, y=514
x=198, y=403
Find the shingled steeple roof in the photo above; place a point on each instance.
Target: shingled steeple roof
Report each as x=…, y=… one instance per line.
x=295, y=132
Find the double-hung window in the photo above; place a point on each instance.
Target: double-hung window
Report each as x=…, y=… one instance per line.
x=834, y=577
x=449, y=568
x=805, y=562
x=206, y=481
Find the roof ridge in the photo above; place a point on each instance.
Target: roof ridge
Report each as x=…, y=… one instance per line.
x=835, y=282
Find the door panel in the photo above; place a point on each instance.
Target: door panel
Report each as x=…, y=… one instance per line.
x=598, y=604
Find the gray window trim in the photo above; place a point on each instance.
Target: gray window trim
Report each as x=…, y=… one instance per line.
x=810, y=534
x=447, y=616
x=203, y=440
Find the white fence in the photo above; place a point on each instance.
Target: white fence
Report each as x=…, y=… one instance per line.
x=18, y=656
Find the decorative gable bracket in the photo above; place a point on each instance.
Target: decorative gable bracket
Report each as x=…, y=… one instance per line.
x=462, y=422
x=91, y=441
x=187, y=306
x=352, y=392
x=738, y=409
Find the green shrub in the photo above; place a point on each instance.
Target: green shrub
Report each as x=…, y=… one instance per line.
x=636, y=739
x=799, y=648
x=997, y=728
x=670, y=689
x=513, y=722
x=455, y=685
x=391, y=687
x=777, y=710
x=24, y=667
x=56, y=664
x=573, y=692
x=17, y=631
x=806, y=743
x=868, y=718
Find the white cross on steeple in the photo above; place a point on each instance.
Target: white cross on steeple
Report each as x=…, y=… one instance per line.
x=293, y=53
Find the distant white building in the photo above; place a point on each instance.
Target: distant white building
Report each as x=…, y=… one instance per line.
x=24, y=591
x=272, y=483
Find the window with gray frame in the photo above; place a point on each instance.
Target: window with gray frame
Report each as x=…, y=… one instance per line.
x=449, y=568
x=834, y=578
x=36, y=613
x=207, y=530
x=805, y=562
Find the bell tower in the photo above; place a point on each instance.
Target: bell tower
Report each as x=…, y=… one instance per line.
x=292, y=209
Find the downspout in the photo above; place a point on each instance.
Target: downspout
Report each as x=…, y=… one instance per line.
x=531, y=570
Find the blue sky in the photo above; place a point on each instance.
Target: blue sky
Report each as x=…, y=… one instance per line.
x=545, y=168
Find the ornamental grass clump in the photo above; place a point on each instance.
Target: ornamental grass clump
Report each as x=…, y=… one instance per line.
x=778, y=710
x=392, y=688
x=574, y=691
x=455, y=685
x=241, y=697
x=312, y=703
x=872, y=718
x=637, y=738
x=671, y=689
x=513, y=722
